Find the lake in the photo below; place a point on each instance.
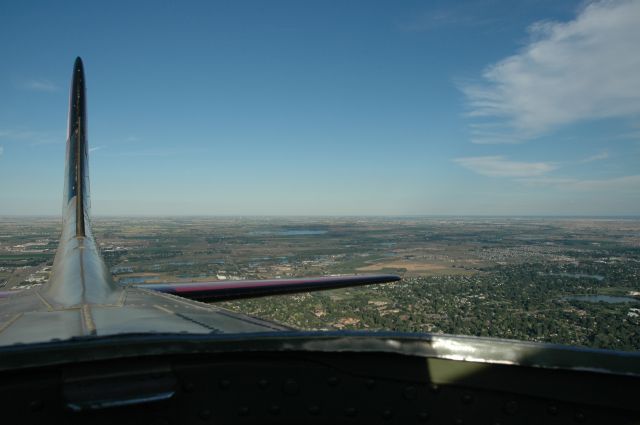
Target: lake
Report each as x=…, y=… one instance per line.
x=291, y=232
x=137, y=279
x=609, y=299
x=578, y=275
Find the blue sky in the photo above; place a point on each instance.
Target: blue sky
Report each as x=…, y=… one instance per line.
x=327, y=107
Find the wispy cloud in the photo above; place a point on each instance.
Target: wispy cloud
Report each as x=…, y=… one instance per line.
x=40, y=85
x=455, y=15
x=568, y=71
x=630, y=135
x=96, y=148
x=625, y=183
x=147, y=153
x=499, y=166
x=491, y=133
x=433, y=20
x=31, y=137
x=597, y=157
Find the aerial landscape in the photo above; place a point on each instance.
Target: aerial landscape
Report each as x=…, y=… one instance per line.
x=319, y=212
x=560, y=280
x=461, y=147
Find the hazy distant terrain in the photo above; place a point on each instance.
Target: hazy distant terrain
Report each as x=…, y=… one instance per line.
x=569, y=280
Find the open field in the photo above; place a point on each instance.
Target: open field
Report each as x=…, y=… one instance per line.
x=406, y=266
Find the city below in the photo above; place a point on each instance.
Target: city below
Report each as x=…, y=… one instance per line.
x=561, y=280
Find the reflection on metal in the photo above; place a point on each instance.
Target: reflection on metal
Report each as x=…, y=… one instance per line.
x=87, y=388
x=449, y=345
x=489, y=351
x=104, y=404
x=77, y=176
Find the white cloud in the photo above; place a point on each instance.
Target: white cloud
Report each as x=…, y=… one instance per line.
x=587, y=68
x=498, y=166
x=41, y=85
x=96, y=148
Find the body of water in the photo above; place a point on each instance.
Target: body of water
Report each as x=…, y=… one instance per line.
x=578, y=275
x=609, y=299
x=136, y=279
x=301, y=232
x=291, y=232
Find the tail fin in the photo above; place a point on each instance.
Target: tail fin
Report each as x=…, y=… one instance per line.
x=77, y=172
x=79, y=275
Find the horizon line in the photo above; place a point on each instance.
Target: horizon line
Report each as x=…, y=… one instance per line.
x=55, y=216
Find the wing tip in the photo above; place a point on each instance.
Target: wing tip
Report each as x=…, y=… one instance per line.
x=226, y=290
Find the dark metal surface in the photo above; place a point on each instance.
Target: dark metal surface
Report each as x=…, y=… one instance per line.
x=87, y=388
x=281, y=339
x=292, y=387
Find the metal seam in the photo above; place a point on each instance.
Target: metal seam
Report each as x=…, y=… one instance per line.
x=10, y=322
x=88, y=325
x=166, y=310
x=49, y=306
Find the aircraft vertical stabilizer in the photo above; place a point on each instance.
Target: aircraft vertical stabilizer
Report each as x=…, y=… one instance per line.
x=79, y=274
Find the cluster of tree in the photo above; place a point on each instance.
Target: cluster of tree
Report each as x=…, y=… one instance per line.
x=526, y=302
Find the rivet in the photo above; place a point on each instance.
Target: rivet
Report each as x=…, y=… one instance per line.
x=205, y=414
x=467, y=398
x=290, y=387
x=370, y=383
x=224, y=384
x=350, y=411
x=423, y=416
x=410, y=392
x=274, y=409
x=314, y=410
x=263, y=383
x=552, y=409
x=387, y=414
x=511, y=407
x=243, y=411
x=434, y=388
x=333, y=381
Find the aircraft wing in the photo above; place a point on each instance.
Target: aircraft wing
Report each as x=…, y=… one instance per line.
x=237, y=289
